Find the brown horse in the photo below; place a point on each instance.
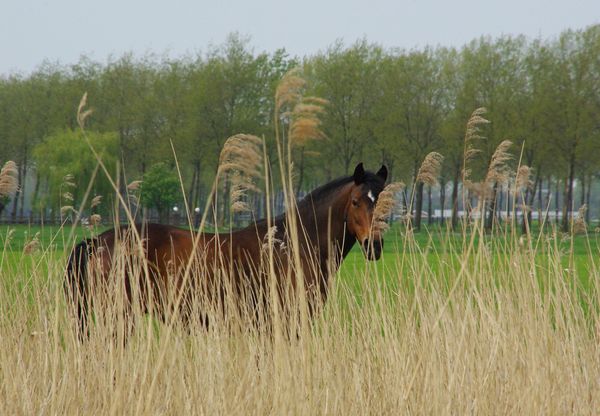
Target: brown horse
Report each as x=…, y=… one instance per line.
x=329, y=221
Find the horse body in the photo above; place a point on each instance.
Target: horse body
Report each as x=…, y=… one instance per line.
x=328, y=222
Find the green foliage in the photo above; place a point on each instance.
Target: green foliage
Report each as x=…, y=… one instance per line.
x=67, y=153
x=385, y=106
x=160, y=188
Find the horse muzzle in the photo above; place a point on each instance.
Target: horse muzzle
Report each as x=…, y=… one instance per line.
x=372, y=249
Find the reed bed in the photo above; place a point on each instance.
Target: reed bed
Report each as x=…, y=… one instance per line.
x=485, y=334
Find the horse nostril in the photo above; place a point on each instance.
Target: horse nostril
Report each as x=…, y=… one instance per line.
x=377, y=245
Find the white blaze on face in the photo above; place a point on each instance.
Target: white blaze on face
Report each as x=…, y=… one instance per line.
x=371, y=197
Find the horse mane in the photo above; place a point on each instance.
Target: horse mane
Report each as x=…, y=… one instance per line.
x=323, y=192
x=372, y=181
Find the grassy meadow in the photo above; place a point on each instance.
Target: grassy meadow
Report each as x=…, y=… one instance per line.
x=445, y=323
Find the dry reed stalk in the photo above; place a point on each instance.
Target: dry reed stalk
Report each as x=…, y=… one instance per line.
x=384, y=206
x=9, y=182
x=430, y=169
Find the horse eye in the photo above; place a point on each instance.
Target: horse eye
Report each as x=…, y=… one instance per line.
x=355, y=202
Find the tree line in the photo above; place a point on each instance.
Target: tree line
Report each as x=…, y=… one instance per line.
x=389, y=106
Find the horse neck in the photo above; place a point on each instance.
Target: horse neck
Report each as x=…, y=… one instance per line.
x=325, y=221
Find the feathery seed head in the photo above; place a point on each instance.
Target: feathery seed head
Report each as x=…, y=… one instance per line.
x=9, y=182
x=430, y=169
x=471, y=134
x=97, y=200
x=289, y=89
x=579, y=224
x=385, y=204
x=66, y=209
x=31, y=246
x=81, y=113
x=134, y=186
x=241, y=159
x=499, y=171
x=523, y=179
x=95, y=220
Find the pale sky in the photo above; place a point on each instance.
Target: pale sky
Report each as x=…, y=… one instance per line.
x=62, y=30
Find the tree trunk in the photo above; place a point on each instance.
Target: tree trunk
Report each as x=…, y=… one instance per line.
x=418, y=205
x=588, y=200
x=529, y=199
x=15, y=207
x=455, y=201
x=582, y=196
x=492, y=208
x=508, y=205
x=556, y=201
x=541, y=207
x=429, y=208
x=36, y=191
x=500, y=202
x=568, y=203
x=22, y=184
x=442, y=201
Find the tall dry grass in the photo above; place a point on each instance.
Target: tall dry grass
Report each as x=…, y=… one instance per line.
x=476, y=325
x=483, y=333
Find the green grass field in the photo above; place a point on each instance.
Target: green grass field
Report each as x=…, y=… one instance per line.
x=434, y=243
x=433, y=240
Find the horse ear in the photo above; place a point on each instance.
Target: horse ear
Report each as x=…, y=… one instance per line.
x=359, y=174
x=382, y=173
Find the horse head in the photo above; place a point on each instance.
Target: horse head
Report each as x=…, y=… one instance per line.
x=360, y=207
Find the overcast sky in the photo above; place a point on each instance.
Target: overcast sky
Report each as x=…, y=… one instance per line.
x=62, y=30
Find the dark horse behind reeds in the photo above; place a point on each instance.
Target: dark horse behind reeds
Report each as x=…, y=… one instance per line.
x=330, y=220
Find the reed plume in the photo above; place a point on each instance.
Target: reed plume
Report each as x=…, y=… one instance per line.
x=498, y=173
x=471, y=135
x=384, y=206
x=68, y=180
x=95, y=220
x=241, y=159
x=305, y=123
x=65, y=209
x=289, y=89
x=271, y=235
x=523, y=179
x=9, y=182
x=430, y=169
x=32, y=245
x=134, y=185
x=498, y=170
x=97, y=200
x=82, y=114
x=579, y=224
